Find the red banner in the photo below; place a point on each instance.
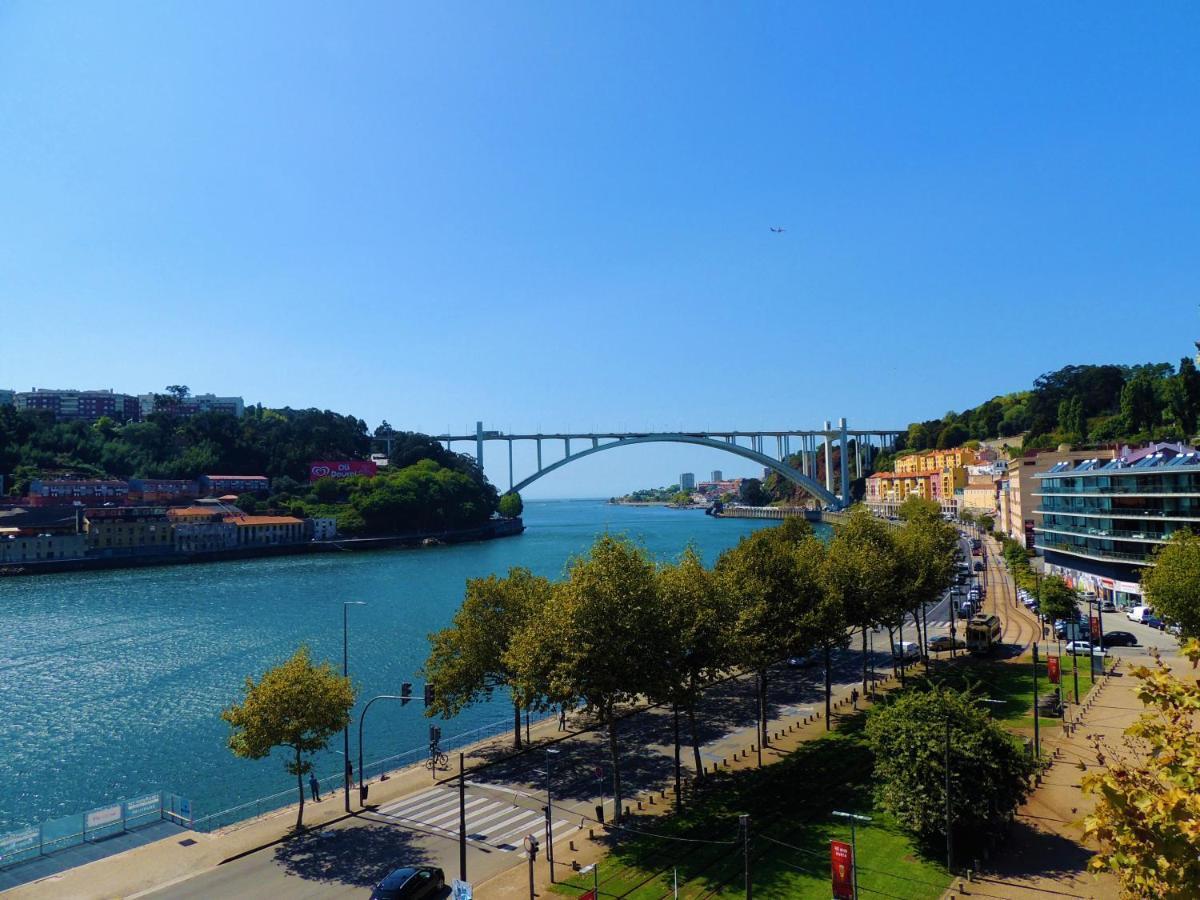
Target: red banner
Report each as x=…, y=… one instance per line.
x=588, y=895
x=1095, y=628
x=1052, y=669
x=341, y=468
x=842, y=863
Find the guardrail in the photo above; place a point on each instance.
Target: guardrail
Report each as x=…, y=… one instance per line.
x=102, y=822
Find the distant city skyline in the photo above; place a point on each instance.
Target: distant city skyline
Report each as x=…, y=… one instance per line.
x=560, y=217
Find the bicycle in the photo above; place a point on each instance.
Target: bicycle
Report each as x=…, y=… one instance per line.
x=437, y=758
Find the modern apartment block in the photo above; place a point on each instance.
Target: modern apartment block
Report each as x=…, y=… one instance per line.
x=687, y=481
x=70, y=405
x=194, y=405
x=1017, y=503
x=1102, y=519
x=218, y=485
x=66, y=491
x=7, y=397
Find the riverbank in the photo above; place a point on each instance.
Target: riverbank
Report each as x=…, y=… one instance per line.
x=496, y=528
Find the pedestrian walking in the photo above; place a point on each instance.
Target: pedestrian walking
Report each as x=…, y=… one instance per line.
x=314, y=786
x=349, y=774
x=562, y=718
x=854, y=698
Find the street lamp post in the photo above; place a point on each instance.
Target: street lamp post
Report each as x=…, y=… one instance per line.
x=550, y=754
x=852, y=818
x=346, y=674
x=594, y=868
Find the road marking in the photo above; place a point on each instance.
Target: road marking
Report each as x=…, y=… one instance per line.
x=414, y=801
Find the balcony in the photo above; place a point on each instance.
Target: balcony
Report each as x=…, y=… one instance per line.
x=1110, y=533
x=1148, y=490
x=1137, y=559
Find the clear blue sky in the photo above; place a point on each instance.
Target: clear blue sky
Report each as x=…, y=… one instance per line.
x=556, y=215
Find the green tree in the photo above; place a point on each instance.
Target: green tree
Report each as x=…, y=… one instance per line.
x=862, y=572
x=594, y=640
x=1057, y=601
x=925, y=548
x=1172, y=584
x=917, y=507
x=918, y=437
x=694, y=635
x=1140, y=402
x=1147, y=813
x=770, y=588
x=989, y=772
x=1183, y=397
x=510, y=505
x=326, y=490
x=297, y=706
x=751, y=493
x=682, y=498
x=468, y=660
x=952, y=436
x=1071, y=418
x=248, y=504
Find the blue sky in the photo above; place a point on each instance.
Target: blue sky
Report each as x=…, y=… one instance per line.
x=556, y=215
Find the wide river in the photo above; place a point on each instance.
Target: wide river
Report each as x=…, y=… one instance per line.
x=112, y=683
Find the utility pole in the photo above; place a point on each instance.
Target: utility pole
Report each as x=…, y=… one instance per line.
x=852, y=818
x=346, y=674
x=1037, y=744
x=949, y=820
x=678, y=779
x=462, y=820
x=745, y=823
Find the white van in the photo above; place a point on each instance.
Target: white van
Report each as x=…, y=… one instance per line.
x=1139, y=613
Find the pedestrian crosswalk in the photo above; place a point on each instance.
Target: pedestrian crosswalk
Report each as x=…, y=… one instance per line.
x=498, y=823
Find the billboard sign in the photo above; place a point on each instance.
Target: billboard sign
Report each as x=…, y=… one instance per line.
x=105, y=816
x=842, y=864
x=344, y=468
x=19, y=841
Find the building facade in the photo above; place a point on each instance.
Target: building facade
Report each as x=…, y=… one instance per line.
x=1101, y=520
x=18, y=548
x=193, y=405
x=687, y=481
x=1021, y=483
x=128, y=531
x=163, y=490
x=887, y=491
x=265, y=531
x=70, y=405
x=220, y=485
x=323, y=528
x=717, y=475
x=66, y=491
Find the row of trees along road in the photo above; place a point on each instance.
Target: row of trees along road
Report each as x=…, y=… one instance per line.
x=621, y=627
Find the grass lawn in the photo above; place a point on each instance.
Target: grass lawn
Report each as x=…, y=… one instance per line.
x=789, y=804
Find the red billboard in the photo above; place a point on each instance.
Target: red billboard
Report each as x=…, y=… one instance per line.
x=341, y=468
x=842, y=862
x=1095, y=627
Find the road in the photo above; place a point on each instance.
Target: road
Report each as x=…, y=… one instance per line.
x=505, y=801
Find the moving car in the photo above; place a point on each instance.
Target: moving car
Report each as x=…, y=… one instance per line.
x=1085, y=647
x=803, y=662
x=978, y=565
x=907, y=650
x=943, y=642
x=410, y=883
x=1120, y=639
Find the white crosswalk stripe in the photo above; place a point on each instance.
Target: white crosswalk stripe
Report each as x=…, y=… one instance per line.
x=491, y=821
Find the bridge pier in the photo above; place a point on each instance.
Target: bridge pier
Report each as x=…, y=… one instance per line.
x=828, y=456
x=845, y=466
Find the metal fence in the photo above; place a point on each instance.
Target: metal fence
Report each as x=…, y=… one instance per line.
x=93, y=825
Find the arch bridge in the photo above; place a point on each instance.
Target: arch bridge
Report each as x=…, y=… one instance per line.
x=771, y=449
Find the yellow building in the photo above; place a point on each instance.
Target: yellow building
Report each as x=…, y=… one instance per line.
x=124, y=530
x=949, y=465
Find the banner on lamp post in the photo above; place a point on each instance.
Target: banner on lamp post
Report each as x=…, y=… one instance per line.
x=841, y=859
x=1095, y=628
x=1052, y=669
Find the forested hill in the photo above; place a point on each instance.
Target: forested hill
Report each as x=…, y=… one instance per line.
x=1078, y=405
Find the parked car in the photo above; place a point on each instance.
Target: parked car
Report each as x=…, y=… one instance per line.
x=1175, y=628
x=410, y=883
x=1153, y=622
x=1120, y=639
x=1108, y=606
x=978, y=565
x=1139, y=613
x=1084, y=647
x=803, y=662
x=944, y=642
x=907, y=650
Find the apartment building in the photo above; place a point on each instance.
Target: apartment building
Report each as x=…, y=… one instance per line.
x=71, y=405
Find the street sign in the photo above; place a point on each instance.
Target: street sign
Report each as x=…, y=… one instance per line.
x=460, y=890
x=1052, y=669
x=841, y=859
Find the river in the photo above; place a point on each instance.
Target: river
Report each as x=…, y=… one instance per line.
x=113, y=682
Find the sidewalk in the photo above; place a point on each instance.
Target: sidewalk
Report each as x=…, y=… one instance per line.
x=1045, y=855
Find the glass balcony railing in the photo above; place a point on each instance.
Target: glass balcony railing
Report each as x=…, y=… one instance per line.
x=1047, y=490
x=1142, y=559
x=1114, y=533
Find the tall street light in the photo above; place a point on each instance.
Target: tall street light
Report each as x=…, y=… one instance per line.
x=346, y=674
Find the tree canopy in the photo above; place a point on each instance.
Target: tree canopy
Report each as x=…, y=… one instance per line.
x=296, y=705
x=1172, y=584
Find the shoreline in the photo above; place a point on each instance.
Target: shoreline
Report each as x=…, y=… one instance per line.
x=492, y=530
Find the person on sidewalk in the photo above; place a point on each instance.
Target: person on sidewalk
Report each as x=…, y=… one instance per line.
x=562, y=718
x=314, y=786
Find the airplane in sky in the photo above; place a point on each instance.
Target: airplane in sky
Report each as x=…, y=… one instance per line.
x=778, y=229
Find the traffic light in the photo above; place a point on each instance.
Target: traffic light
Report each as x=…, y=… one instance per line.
x=405, y=693
x=428, y=696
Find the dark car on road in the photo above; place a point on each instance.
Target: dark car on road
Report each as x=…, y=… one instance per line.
x=943, y=642
x=410, y=883
x=1120, y=639
x=978, y=566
